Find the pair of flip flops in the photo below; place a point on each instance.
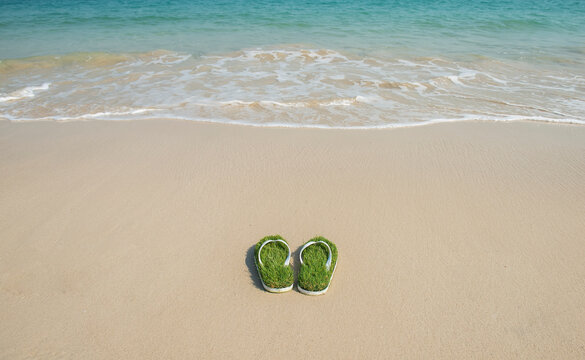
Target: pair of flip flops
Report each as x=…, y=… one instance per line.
x=318, y=258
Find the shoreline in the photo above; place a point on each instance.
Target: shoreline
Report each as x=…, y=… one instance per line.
x=134, y=239
x=513, y=119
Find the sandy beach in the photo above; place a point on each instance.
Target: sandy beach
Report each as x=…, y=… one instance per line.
x=133, y=240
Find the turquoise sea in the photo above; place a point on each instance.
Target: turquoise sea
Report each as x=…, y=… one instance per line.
x=365, y=64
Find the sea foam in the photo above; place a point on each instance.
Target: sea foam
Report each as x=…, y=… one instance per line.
x=290, y=85
x=26, y=92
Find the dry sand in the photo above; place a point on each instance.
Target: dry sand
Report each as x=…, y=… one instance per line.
x=133, y=240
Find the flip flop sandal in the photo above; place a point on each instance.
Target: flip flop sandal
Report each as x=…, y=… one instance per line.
x=318, y=262
x=272, y=258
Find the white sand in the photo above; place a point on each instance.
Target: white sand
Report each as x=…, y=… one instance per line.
x=133, y=240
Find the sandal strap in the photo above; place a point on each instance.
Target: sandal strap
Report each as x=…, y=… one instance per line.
x=286, y=262
x=329, y=258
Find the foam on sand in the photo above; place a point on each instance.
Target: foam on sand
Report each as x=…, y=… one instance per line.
x=26, y=92
x=288, y=85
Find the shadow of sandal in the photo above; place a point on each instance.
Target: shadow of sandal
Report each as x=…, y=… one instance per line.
x=254, y=277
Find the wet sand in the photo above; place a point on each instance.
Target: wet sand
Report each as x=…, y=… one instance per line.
x=133, y=240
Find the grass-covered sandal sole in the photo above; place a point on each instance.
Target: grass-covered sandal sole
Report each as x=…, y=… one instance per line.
x=318, y=263
x=272, y=259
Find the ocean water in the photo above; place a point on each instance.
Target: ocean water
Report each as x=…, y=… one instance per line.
x=340, y=64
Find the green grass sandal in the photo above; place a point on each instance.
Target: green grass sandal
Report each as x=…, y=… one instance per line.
x=318, y=261
x=272, y=258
